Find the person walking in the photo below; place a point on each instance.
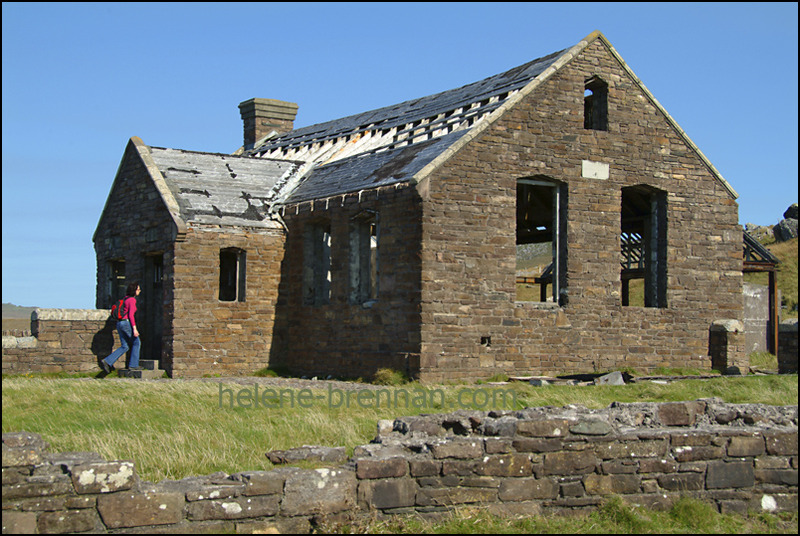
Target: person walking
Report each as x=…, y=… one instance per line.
x=128, y=334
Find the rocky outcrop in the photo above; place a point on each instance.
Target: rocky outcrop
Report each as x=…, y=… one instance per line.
x=786, y=229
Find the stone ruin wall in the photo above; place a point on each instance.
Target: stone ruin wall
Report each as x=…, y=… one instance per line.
x=61, y=340
x=73, y=340
x=535, y=461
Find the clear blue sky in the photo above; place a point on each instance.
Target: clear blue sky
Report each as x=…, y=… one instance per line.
x=80, y=79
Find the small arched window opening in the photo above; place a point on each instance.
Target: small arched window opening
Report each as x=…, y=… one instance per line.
x=595, y=104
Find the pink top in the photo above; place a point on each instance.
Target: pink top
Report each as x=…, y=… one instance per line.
x=130, y=310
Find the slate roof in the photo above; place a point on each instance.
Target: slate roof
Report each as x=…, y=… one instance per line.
x=222, y=189
x=391, y=144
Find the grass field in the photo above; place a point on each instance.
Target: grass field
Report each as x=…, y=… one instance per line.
x=179, y=428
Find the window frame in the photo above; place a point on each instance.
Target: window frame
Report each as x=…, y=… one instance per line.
x=317, y=268
x=558, y=238
x=232, y=275
x=364, y=258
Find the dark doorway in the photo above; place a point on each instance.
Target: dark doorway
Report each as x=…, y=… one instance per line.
x=153, y=307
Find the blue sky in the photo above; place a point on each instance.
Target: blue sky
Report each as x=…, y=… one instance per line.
x=80, y=79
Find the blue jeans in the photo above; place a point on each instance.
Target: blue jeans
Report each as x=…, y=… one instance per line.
x=127, y=341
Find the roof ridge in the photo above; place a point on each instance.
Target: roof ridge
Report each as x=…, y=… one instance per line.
x=410, y=111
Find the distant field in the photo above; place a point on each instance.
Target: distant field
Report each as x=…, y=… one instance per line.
x=16, y=317
x=16, y=323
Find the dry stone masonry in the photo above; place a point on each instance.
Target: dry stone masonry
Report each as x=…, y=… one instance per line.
x=740, y=457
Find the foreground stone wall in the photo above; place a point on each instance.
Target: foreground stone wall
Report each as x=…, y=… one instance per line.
x=538, y=460
x=62, y=340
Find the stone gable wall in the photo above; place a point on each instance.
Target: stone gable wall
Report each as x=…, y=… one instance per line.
x=538, y=460
x=468, y=237
x=136, y=225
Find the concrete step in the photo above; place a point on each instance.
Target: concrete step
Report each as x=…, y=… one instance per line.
x=144, y=374
x=148, y=364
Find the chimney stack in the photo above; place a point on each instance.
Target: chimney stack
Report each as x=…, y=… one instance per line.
x=262, y=116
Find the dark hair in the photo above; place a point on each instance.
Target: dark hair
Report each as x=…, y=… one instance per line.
x=132, y=289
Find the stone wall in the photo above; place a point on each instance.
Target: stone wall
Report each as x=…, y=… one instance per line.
x=340, y=337
x=468, y=251
x=538, y=460
x=62, y=340
x=208, y=336
x=787, y=346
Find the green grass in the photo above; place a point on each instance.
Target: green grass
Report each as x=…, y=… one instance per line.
x=687, y=516
x=177, y=429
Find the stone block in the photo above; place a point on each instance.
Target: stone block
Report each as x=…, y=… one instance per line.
x=691, y=454
x=656, y=465
x=536, y=444
x=308, y=453
x=569, y=462
x=263, y=482
x=741, y=446
x=681, y=482
x=572, y=489
x=592, y=427
x=619, y=467
x=126, y=509
x=504, y=465
x=391, y=493
x=736, y=474
x=215, y=492
x=525, y=489
x=367, y=468
x=545, y=428
x=676, y=414
x=452, y=496
x=462, y=449
x=21, y=456
x=19, y=522
x=424, y=467
x=611, y=484
x=103, y=477
x=656, y=448
x=702, y=439
x=68, y=521
x=319, y=491
x=234, y=508
x=39, y=487
x=458, y=467
x=781, y=477
x=781, y=443
x=15, y=475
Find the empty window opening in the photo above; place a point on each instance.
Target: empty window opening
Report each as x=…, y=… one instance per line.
x=317, y=264
x=541, y=241
x=643, y=247
x=232, y=272
x=116, y=281
x=595, y=104
x=364, y=239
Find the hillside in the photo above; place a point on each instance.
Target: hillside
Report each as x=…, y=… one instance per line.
x=16, y=311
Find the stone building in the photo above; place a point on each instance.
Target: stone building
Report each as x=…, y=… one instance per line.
x=550, y=219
